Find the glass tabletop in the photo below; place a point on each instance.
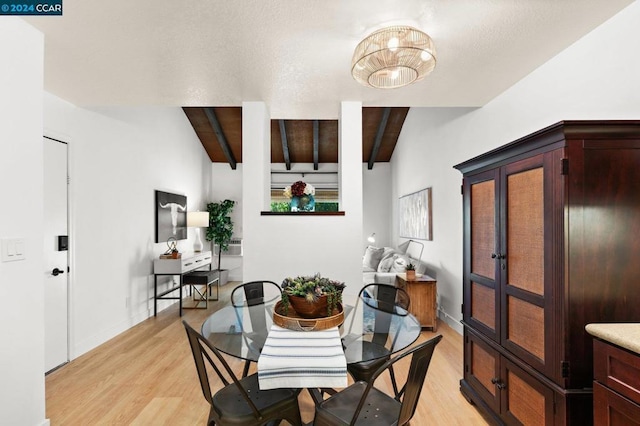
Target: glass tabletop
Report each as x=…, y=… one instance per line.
x=368, y=333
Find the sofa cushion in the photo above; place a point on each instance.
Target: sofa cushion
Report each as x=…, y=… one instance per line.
x=372, y=257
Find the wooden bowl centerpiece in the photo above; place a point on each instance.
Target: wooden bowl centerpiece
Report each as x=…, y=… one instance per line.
x=311, y=296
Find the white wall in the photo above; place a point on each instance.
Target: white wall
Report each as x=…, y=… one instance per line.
x=227, y=184
x=377, y=204
x=596, y=78
x=119, y=156
x=281, y=246
x=21, y=216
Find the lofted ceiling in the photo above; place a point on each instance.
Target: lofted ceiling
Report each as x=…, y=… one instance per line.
x=296, y=141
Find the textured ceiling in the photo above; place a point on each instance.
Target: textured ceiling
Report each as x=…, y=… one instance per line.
x=296, y=55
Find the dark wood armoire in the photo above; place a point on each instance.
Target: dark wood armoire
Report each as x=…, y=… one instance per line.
x=551, y=243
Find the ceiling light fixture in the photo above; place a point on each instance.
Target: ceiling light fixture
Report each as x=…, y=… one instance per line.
x=393, y=57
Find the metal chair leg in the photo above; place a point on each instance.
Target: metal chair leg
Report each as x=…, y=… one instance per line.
x=246, y=368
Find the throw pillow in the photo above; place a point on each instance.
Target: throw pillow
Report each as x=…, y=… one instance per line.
x=386, y=263
x=372, y=257
x=400, y=261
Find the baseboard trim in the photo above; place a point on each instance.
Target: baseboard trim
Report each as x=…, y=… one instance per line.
x=451, y=321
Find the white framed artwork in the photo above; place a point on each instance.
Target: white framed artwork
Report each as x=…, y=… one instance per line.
x=414, y=212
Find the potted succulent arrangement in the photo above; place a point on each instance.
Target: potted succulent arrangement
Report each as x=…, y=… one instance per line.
x=311, y=296
x=410, y=271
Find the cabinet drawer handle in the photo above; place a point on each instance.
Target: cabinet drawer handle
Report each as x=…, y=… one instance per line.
x=187, y=264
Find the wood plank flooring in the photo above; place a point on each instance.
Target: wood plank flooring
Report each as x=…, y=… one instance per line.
x=146, y=376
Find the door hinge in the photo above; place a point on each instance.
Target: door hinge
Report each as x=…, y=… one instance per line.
x=564, y=163
x=462, y=308
x=466, y=368
x=564, y=366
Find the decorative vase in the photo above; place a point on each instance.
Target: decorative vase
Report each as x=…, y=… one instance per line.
x=303, y=203
x=317, y=309
x=411, y=275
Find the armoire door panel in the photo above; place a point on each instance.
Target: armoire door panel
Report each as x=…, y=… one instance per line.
x=483, y=305
x=483, y=231
x=525, y=403
x=525, y=326
x=525, y=230
x=482, y=369
x=525, y=400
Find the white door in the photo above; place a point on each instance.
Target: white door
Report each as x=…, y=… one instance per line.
x=55, y=256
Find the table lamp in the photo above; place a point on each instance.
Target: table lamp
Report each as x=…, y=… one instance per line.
x=197, y=220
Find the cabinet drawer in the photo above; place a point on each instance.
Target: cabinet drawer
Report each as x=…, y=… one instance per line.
x=179, y=266
x=612, y=409
x=196, y=261
x=617, y=369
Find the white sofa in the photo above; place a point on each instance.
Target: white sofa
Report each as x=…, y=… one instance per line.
x=381, y=264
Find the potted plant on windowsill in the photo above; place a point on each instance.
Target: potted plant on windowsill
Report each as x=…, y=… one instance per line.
x=311, y=296
x=410, y=271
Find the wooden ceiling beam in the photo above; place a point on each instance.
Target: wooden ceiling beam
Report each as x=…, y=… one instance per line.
x=316, y=144
x=285, y=145
x=222, y=140
x=378, y=141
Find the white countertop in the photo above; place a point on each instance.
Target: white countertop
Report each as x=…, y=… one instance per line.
x=625, y=335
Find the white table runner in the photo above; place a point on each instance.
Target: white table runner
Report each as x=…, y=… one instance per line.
x=302, y=359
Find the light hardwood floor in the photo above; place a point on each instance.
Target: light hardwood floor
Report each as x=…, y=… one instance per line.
x=146, y=376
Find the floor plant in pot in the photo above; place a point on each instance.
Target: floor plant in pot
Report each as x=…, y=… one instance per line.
x=220, y=231
x=311, y=296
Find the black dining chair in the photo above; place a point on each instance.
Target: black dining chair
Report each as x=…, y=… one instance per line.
x=240, y=401
x=252, y=295
x=379, y=298
x=363, y=404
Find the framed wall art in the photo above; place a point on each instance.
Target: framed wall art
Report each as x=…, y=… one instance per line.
x=171, y=216
x=414, y=212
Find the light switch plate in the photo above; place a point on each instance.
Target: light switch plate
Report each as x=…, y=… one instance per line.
x=12, y=249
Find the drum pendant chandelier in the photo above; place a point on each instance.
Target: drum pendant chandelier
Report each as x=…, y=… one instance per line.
x=393, y=57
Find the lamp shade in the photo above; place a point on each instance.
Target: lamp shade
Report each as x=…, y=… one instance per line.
x=197, y=219
x=393, y=57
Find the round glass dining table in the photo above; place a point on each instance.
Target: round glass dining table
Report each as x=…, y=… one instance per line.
x=367, y=333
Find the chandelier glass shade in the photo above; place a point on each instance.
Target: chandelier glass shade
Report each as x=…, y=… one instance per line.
x=393, y=57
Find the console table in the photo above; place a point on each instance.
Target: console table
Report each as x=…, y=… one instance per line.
x=422, y=291
x=187, y=263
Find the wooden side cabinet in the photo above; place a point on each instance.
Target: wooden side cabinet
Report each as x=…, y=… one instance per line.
x=423, y=294
x=616, y=386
